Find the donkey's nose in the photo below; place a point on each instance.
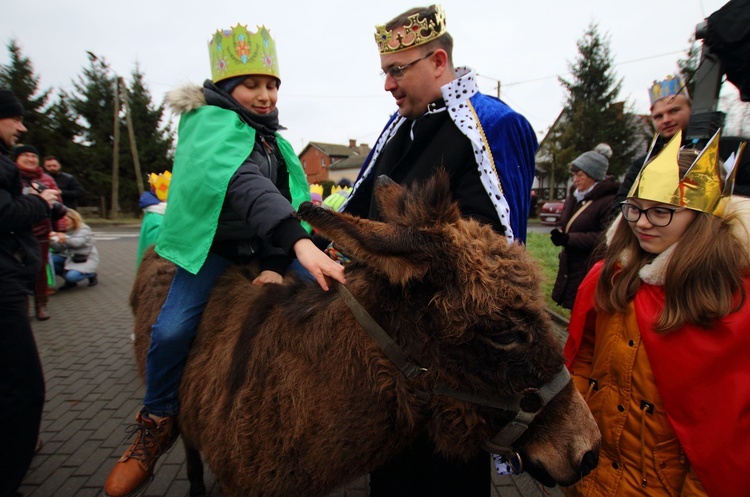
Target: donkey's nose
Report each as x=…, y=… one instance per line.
x=589, y=461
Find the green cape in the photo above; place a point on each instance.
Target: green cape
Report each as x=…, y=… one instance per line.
x=212, y=144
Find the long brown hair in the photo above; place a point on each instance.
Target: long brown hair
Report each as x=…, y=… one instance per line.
x=703, y=277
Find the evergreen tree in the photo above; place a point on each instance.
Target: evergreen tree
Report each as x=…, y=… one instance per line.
x=153, y=137
x=93, y=104
x=593, y=114
x=19, y=77
x=64, y=131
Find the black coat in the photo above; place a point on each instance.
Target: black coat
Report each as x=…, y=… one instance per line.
x=413, y=155
x=19, y=248
x=71, y=190
x=585, y=233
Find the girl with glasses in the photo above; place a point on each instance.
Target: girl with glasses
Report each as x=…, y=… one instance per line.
x=658, y=337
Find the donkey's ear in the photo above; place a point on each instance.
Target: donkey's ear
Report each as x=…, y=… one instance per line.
x=422, y=205
x=397, y=252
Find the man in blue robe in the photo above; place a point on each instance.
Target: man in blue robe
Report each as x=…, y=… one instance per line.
x=488, y=151
x=443, y=121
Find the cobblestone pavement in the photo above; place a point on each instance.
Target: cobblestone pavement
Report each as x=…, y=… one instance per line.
x=93, y=390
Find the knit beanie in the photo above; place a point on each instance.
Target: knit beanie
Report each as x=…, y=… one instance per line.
x=230, y=84
x=22, y=149
x=594, y=162
x=10, y=106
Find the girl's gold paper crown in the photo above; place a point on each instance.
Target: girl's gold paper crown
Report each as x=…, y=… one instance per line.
x=700, y=188
x=238, y=52
x=416, y=32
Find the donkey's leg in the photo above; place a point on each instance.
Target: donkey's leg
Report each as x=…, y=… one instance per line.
x=194, y=471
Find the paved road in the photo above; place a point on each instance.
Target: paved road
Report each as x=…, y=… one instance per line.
x=93, y=390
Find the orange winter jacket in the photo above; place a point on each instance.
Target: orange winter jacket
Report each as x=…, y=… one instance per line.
x=612, y=371
x=672, y=407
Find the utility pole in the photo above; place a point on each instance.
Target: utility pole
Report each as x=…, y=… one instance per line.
x=115, y=209
x=498, y=89
x=131, y=136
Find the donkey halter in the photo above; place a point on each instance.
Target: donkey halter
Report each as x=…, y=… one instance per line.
x=526, y=406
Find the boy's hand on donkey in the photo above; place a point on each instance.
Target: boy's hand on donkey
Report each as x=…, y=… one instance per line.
x=318, y=263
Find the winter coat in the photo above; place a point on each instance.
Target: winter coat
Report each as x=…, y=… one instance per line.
x=43, y=228
x=19, y=248
x=485, y=146
x=672, y=407
x=81, y=242
x=590, y=218
x=231, y=188
x=71, y=190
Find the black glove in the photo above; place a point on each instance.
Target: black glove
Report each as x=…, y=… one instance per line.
x=559, y=238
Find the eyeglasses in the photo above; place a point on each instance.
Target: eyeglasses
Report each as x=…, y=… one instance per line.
x=397, y=72
x=658, y=216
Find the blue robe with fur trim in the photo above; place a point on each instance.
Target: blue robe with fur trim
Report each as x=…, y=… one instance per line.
x=503, y=143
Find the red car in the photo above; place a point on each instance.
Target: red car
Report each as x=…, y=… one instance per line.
x=551, y=211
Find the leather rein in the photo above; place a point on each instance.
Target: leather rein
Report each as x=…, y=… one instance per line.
x=526, y=406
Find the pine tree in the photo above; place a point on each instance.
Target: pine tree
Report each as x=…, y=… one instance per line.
x=93, y=103
x=593, y=112
x=153, y=137
x=19, y=77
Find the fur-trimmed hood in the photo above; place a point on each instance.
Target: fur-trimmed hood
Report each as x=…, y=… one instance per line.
x=654, y=273
x=186, y=98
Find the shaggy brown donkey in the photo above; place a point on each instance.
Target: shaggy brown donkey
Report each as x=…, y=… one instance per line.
x=285, y=394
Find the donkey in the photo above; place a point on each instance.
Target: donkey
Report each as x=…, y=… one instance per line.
x=285, y=393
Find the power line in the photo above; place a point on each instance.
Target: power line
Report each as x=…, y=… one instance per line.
x=558, y=75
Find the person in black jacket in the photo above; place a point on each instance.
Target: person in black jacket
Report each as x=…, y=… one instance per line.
x=72, y=191
x=21, y=377
x=585, y=216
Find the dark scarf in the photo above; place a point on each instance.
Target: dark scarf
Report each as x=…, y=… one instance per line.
x=267, y=124
x=31, y=175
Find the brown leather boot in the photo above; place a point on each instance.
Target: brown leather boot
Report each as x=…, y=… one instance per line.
x=40, y=304
x=153, y=437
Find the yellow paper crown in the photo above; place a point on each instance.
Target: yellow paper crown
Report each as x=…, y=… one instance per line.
x=238, y=52
x=416, y=32
x=160, y=184
x=672, y=85
x=700, y=188
x=316, y=188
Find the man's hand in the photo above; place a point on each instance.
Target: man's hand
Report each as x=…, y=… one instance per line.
x=318, y=263
x=50, y=195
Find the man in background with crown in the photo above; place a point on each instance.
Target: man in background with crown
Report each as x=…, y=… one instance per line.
x=488, y=151
x=670, y=114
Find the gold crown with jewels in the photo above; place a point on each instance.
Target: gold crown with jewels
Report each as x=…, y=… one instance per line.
x=701, y=188
x=417, y=31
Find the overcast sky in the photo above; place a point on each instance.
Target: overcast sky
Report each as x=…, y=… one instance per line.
x=331, y=88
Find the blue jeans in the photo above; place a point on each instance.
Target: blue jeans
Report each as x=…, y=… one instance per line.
x=173, y=333
x=71, y=276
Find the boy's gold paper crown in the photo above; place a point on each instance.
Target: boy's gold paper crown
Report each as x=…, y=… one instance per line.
x=700, y=188
x=160, y=184
x=416, y=32
x=672, y=85
x=238, y=52
x=316, y=188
